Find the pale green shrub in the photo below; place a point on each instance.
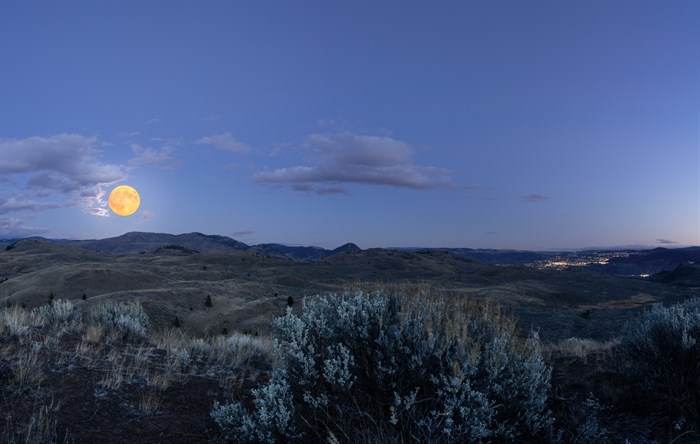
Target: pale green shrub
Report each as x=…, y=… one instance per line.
x=662, y=351
x=128, y=319
x=60, y=313
x=391, y=366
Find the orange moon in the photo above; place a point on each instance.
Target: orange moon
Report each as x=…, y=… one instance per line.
x=124, y=200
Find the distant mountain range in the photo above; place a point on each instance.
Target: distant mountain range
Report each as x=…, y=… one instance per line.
x=634, y=263
x=140, y=242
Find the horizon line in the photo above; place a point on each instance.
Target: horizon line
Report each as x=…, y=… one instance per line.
x=638, y=247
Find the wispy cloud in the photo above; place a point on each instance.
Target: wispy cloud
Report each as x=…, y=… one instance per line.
x=62, y=165
x=153, y=121
x=326, y=122
x=225, y=142
x=665, y=241
x=94, y=201
x=160, y=157
x=212, y=118
x=129, y=133
x=345, y=157
x=534, y=198
x=145, y=216
x=15, y=205
x=242, y=233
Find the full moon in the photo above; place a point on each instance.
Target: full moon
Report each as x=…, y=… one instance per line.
x=124, y=200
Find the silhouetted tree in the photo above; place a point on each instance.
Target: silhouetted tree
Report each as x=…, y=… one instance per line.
x=290, y=301
x=207, y=303
x=176, y=322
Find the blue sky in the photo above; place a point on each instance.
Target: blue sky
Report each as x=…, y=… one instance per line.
x=527, y=125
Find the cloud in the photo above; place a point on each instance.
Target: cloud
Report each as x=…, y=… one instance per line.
x=665, y=241
x=243, y=233
x=145, y=216
x=67, y=164
x=326, y=122
x=128, y=133
x=93, y=201
x=343, y=158
x=153, y=121
x=12, y=205
x=13, y=227
x=152, y=156
x=67, y=158
x=534, y=198
x=225, y=142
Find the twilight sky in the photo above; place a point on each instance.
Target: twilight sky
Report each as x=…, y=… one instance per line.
x=527, y=125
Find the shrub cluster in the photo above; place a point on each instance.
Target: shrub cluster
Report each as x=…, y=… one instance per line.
x=58, y=312
x=662, y=365
x=128, y=319
x=360, y=367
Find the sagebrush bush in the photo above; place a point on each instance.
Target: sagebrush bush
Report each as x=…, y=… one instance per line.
x=59, y=313
x=662, y=365
x=128, y=318
x=358, y=366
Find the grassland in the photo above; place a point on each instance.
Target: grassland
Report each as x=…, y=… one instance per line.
x=79, y=382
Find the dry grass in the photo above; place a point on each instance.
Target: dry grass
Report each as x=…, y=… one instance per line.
x=28, y=371
x=93, y=334
x=582, y=348
x=15, y=319
x=40, y=352
x=149, y=402
x=40, y=428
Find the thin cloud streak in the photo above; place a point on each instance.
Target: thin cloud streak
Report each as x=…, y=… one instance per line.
x=534, y=198
x=225, y=142
x=665, y=241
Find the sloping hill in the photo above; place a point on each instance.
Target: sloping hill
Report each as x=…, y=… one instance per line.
x=136, y=242
x=290, y=252
x=249, y=288
x=686, y=275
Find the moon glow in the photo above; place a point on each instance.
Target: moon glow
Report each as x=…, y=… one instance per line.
x=124, y=200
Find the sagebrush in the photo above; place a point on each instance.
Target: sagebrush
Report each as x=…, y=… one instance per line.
x=662, y=365
x=378, y=367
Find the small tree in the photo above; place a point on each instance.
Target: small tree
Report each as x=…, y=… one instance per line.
x=176, y=322
x=290, y=301
x=208, y=303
